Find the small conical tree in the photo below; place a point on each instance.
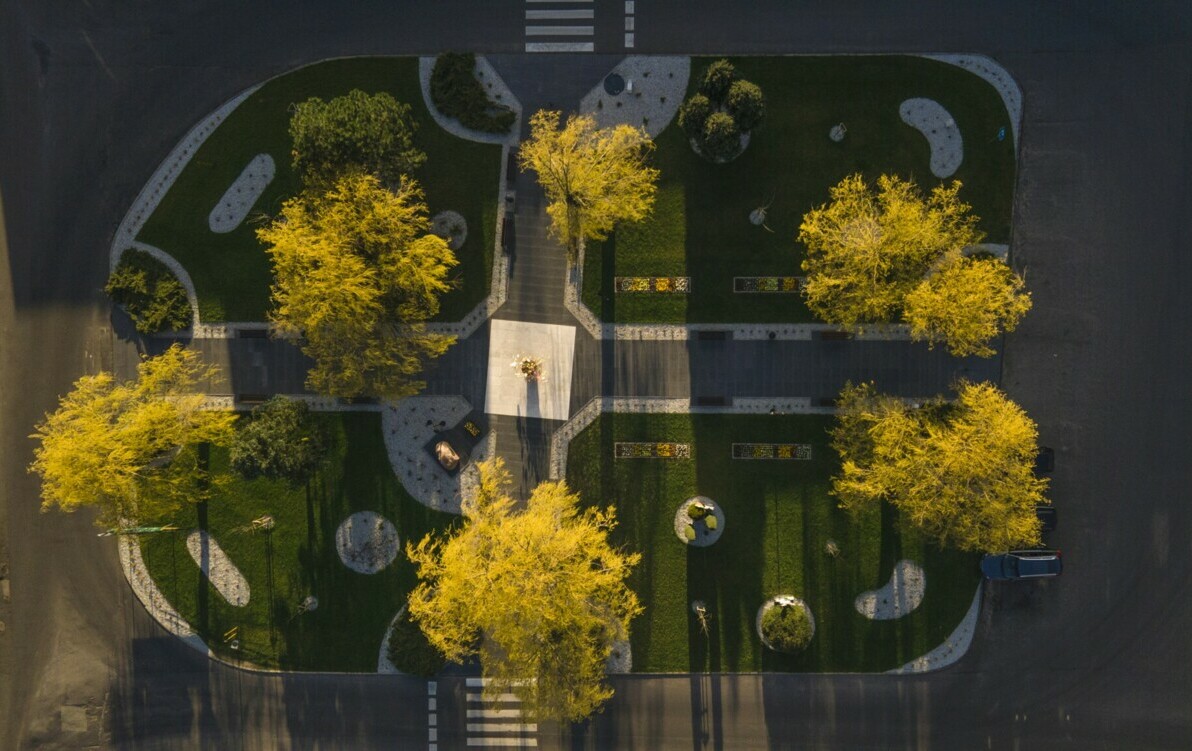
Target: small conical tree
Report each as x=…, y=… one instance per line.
x=722, y=137
x=746, y=104
x=718, y=77
x=693, y=114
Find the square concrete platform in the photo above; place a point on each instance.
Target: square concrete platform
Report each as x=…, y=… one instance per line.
x=507, y=393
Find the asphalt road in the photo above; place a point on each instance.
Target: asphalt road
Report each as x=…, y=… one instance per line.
x=93, y=95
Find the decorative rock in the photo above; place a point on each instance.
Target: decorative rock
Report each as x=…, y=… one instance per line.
x=837, y=132
x=367, y=542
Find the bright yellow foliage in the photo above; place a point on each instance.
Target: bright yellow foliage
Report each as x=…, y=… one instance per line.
x=537, y=592
x=356, y=275
x=593, y=177
x=129, y=449
x=870, y=246
x=966, y=304
x=963, y=473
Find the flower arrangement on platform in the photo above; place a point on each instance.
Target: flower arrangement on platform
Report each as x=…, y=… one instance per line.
x=530, y=368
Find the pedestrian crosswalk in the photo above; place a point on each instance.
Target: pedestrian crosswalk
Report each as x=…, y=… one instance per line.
x=496, y=721
x=560, y=25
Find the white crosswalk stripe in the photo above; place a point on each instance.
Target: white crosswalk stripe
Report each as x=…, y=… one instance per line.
x=496, y=721
x=556, y=35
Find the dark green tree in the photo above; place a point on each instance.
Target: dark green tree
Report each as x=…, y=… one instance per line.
x=149, y=293
x=746, y=104
x=357, y=132
x=693, y=114
x=722, y=137
x=718, y=77
x=282, y=441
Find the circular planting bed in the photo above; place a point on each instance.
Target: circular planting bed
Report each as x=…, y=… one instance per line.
x=367, y=542
x=451, y=226
x=699, y=522
x=785, y=624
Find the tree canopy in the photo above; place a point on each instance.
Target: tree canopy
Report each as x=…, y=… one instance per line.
x=282, y=441
x=870, y=246
x=963, y=473
x=357, y=132
x=538, y=593
x=593, y=177
x=130, y=449
x=966, y=304
x=356, y=274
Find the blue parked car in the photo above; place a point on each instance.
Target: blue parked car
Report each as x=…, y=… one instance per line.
x=1023, y=564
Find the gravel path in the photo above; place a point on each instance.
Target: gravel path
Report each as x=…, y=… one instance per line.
x=408, y=426
x=242, y=194
x=218, y=568
x=953, y=647
x=997, y=76
x=898, y=597
x=931, y=119
x=659, y=83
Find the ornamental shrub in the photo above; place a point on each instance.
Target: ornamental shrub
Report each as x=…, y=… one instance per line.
x=456, y=93
x=410, y=652
x=722, y=138
x=718, y=77
x=787, y=628
x=149, y=293
x=350, y=133
x=746, y=104
x=693, y=114
x=696, y=511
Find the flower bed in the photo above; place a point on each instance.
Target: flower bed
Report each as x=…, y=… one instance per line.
x=771, y=451
x=651, y=450
x=767, y=283
x=667, y=284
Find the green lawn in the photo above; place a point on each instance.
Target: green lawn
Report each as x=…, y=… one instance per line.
x=778, y=518
x=700, y=227
x=231, y=271
x=299, y=558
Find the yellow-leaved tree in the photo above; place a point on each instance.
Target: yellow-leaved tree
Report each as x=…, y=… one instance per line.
x=132, y=449
x=871, y=245
x=356, y=273
x=962, y=472
x=538, y=592
x=593, y=177
x=966, y=304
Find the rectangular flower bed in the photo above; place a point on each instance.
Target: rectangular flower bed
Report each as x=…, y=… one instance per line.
x=666, y=284
x=771, y=451
x=767, y=283
x=651, y=450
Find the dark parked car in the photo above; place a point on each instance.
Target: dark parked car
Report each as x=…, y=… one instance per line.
x=1045, y=460
x=1048, y=515
x=1022, y=564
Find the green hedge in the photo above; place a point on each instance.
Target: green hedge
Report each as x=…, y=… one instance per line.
x=149, y=292
x=457, y=93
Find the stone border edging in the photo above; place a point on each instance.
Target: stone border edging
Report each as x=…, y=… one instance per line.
x=155, y=603
x=952, y=648
x=426, y=66
x=384, y=665
x=994, y=74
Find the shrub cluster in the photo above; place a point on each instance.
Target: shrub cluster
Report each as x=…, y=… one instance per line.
x=456, y=93
x=788, y=628
x=149, y=293
x=724, y=108
x=410, y=652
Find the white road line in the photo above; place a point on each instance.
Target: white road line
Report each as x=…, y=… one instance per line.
x=502, y=727
x=507, y=742
x=628, y=5
x=473, y=696
x=495, y=714
x=559, y=31
x=558, y=15
x=560, y=47
x=629, y=39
